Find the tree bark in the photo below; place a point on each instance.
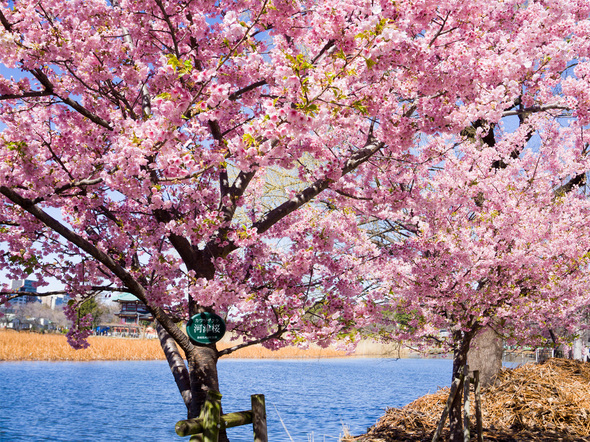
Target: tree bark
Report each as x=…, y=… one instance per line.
x=176, y=364
x=577, y=349
x=485, y=355
x=202, y=368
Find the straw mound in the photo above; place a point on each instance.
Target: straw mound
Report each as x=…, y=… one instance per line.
x=535, y=402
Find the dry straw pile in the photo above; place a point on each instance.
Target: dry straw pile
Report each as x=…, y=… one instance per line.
x=541, y=402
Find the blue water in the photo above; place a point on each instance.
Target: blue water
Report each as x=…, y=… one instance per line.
x=138, y=401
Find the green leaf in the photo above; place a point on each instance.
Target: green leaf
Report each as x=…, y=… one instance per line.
x=358, y=105
x=17, y=146
x=249, y=139
x=380, y=26
x=172, y=60
x=182, y=67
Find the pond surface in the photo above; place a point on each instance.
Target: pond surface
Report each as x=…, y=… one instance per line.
x=306, y=400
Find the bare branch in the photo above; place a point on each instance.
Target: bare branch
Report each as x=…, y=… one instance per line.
x=316, y=188
x=534, y=109
x=237, y=94
x=30, y=94
x=9, y=295
x=230, y=350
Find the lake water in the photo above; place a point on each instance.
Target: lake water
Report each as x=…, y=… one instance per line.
x=306, y=400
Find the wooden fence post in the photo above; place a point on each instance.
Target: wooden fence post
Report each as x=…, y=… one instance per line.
x=259, y=418
x=466, y=405
x=206, y=427
x=478, y=417
x=211, y=414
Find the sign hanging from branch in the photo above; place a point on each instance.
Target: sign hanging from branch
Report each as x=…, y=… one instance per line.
x=205, y=328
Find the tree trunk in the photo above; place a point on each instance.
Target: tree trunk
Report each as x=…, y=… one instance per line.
x=202, y=367
x=578, y=349
x=176, y=364
x=485, y=355
x=195, y=381
x=462, y=342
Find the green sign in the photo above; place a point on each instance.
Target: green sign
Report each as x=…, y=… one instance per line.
x=205, y=328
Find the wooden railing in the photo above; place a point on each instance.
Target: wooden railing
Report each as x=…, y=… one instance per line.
x=206, y=427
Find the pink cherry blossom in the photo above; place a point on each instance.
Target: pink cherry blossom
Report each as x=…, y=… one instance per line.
x=246, y=158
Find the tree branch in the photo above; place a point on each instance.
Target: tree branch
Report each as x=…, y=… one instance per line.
x=442, y=26
x=126, y=278
x=30, y=94
x=303, y=197
x=81, y=183
x=578, y=180
x=230, y=350
x=237, y=94
x=176, y=364
x=9, y=295
x=534, y=109
x=170, y=27
x=327, y=46
x=44, y=80
x=9, y=223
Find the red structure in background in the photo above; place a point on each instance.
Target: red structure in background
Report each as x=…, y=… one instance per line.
x=132, y=310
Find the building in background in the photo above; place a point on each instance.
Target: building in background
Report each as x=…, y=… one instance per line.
x=132, y=311
x=54, y=301
x=24, y=285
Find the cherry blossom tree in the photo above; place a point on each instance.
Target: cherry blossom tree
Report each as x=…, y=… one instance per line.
x=494, y=246
x=142, y=136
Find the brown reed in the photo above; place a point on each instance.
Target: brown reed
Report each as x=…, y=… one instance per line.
x=26, y=346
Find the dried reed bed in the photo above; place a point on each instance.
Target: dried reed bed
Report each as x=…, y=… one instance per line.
x=259, y=352
x=547, y=402
x=25, y=346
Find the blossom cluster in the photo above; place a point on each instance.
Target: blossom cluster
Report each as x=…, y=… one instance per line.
x=302, y=168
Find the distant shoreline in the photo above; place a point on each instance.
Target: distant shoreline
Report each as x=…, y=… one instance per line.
x=28, y=346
